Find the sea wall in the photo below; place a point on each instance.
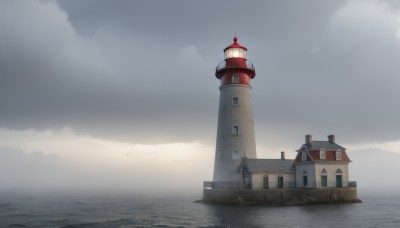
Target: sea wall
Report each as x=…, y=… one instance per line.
x=289, y=196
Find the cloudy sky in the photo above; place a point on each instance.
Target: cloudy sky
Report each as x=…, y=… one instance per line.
x=111, y=80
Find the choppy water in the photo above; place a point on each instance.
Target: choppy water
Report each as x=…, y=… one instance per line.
x=62, y=210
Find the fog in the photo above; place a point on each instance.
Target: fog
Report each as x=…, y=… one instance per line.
x=37, y=172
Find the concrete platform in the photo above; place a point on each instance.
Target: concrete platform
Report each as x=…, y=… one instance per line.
x=288, y=196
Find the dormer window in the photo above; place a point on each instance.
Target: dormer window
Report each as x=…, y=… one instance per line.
x=338, y=154
x=304, y=156
x=322, y=154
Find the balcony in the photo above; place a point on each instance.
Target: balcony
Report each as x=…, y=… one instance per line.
x=222, y=65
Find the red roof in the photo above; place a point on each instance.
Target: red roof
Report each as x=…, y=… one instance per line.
x=235, y=44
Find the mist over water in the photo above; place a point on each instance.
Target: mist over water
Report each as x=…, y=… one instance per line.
x=40, y=190
x=138, y=210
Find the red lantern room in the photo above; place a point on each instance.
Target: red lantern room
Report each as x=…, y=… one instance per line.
x=235, y=69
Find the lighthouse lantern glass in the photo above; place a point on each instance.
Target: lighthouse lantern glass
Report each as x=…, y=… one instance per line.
x=235, y=53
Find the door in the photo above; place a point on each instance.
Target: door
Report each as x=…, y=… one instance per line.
x=265, y=182
x=246, y=178
x=305, y=181
x=280, y=182
x=339, y=181
x=324, y=181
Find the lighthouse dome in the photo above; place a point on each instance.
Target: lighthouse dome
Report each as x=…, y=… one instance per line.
x=235, y=50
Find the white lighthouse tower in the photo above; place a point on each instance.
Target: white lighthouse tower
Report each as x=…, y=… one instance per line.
x=235, y=132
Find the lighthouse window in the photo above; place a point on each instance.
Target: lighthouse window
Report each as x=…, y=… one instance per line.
x=235, y=53
x=280, y=181
x=235, y=100
x=235, y=129
x=235, y=79
x=243, y=53
x=338, y=154
x=235, y=155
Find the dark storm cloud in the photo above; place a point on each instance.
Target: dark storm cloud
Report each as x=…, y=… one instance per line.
x=143, y=71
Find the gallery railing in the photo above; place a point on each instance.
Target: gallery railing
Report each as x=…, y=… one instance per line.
x=222, y=65
x=275, y=185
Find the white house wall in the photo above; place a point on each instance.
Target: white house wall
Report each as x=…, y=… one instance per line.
x=331, y=174
x=288, y=180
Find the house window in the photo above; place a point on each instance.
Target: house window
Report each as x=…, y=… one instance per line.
x=338, y=154
x=235, y=129
x=304, y=156
x=265, y=182
x=280, y=182
x=235, y=155
x=324, y=178
x=235, y=79
x=235, y=100
x=322, y=154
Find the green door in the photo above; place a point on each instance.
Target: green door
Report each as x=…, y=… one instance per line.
x=339, y=181
x=265, y=182
x=305, y=181
x=324, y=181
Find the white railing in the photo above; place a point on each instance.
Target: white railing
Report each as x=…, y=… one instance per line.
x=273, y=185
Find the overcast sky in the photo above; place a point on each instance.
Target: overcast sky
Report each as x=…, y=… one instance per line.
x=142, y=72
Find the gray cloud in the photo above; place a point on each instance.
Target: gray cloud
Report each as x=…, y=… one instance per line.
x=144, y=71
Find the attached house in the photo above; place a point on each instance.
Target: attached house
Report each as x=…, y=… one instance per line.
x=321, y=164
x=267, y=173
x=318, y=164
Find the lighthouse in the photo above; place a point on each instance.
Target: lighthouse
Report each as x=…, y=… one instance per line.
x=235, y=131
x=318, y=174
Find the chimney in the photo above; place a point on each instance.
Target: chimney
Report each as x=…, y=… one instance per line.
x=283, y=155
x=331, y=138
x=309, y=139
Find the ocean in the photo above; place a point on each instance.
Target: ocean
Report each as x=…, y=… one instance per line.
x=117, y=210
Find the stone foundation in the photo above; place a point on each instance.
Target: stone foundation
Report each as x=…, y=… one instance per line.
x=291, y=196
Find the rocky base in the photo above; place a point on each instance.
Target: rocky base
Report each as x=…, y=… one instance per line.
x=280, y=197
